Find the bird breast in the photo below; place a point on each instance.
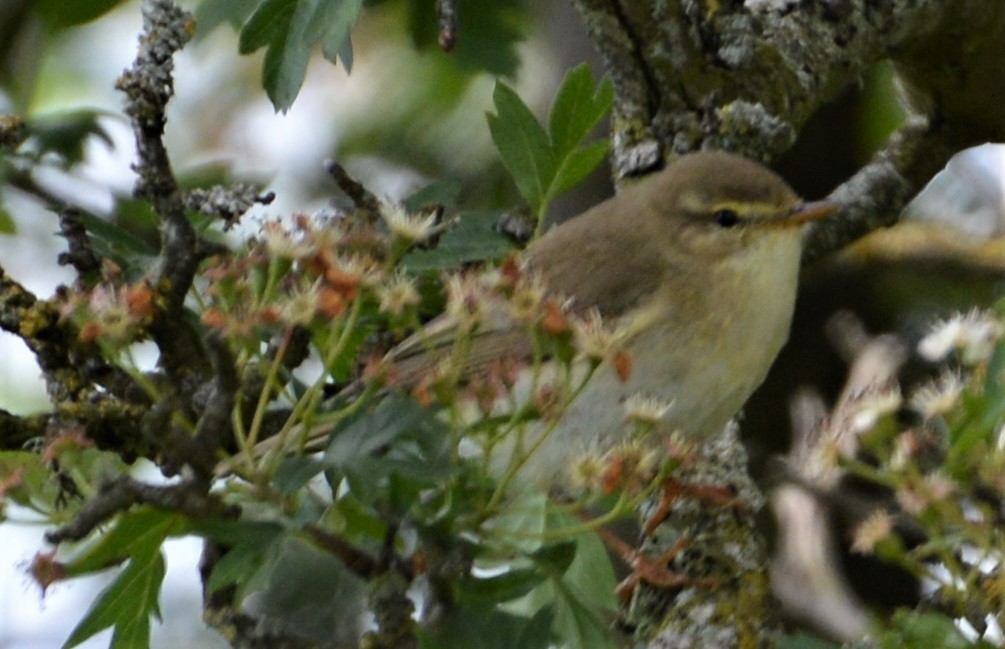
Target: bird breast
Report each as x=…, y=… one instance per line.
x=705, y=354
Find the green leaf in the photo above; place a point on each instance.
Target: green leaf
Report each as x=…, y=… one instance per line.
x=523, y=145
x=577, y=108
x=442, y=192
x=577, y=624
x=910, y=630
x=341, y=367
x=521, y=525
x=269, y=21
x=279, y=24
x=591, y=576
x=578, y=165
x=7, y=224
x=556, y=558
x=411, y=440
x=210, y=14
x=289, y=29
x=330, y=24
x=247, y=565
x=311, y=594
x=126, y=604
x=465, y=627
x=544, y=165
x=137, y=533
x=472, y=238
x=500, y=588
x=294, y=472
x=580, y=584
x=67, y=13
x=28, y=480
x=537, y=633
x=251, y=556
x=110, y=239
x=232, y=532
x=803, y=640
x=488, y=37
x=64, y=133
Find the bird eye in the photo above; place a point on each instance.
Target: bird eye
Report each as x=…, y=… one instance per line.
x=726, y=218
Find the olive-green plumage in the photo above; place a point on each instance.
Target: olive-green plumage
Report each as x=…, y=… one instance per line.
x=696, y=265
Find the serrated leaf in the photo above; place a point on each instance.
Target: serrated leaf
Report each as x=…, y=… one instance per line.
x=237, y=564
x=344, y=53
x=138, y=532
x=577, y=108
x=578, y=165
x=472, y=238
x=543, y=165
x=280, y=25
x=410, y=438
x=290, y=29
x=523, y=145
x=127, y=604
x=330, y=24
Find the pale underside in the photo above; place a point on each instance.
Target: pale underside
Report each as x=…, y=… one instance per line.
x=706, y=364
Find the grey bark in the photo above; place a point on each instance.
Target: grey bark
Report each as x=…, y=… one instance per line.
x=745, y=77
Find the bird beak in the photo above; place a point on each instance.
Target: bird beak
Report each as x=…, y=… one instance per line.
x=808, y=211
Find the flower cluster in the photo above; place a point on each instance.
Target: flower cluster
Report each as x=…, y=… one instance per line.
x=300, y=274
x=972, y=335
x=112, y=313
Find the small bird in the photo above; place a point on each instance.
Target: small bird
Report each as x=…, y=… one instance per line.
x=695, y=267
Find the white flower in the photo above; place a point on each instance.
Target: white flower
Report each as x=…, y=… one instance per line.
x=466, y=300
x=397, y=294
x=974, y=335
x=525, y=303
x=979, y=335
x=281, y=242
x=645, y=410
x=301, y=307
x=870, y=407
x=876, y=527
x=938, y=397
x=593, y=339
x=410, y=227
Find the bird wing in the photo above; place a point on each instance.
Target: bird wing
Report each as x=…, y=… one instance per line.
x=419, y=354
x=610, y=269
